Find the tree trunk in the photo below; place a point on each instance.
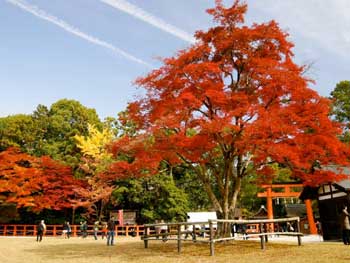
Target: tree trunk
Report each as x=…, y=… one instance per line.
x=223, y=229
x=224, y=200
x=100, y=213
x=228, y=212
x=73, y=215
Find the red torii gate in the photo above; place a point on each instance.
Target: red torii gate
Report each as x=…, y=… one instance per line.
x=288, y=190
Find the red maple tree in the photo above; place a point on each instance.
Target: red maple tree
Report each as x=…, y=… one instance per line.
x=233, y=102
x=94, y=196
x=38, y=183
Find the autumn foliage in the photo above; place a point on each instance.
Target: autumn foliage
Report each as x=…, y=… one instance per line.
x=36, y=183
x=233, y=103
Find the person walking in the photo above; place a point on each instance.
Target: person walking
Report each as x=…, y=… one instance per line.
x=41, y=228
x=81, y=227
x=85, y=228
x=345, y=225
x=69, y=229
x=65, y=230
x=96, y=228
x=104, y=230
x=110, y=231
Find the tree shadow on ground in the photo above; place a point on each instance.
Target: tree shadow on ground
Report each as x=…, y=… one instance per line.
x=130, y=251
x=135, y=251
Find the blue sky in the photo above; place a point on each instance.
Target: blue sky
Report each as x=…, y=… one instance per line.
x=93, y=50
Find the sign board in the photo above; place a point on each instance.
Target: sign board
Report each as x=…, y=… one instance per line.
x=129, y=218
x=124, y=217
x=201, y=217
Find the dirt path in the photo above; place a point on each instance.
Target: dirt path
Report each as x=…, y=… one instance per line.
x=77, y=250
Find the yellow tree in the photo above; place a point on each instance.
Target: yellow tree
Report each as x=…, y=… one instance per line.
x=96, y=159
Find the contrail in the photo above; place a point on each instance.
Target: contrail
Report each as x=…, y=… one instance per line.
x=73, y=30
x=149, y=18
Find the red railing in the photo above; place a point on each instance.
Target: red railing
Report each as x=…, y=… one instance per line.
x=56, y=230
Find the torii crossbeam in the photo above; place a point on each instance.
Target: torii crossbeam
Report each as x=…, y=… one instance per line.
x=287, y=190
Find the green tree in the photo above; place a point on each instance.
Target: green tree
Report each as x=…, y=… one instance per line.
x=155, y=197
x=41, y=119
x=50, y=131
x=187, y=180
x=247, y=199
x=19, y=131
x=341, y=106
x=68, y=118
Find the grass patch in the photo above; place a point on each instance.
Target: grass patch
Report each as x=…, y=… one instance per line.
x=56, y=250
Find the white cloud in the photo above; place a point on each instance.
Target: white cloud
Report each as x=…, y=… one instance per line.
x=73, y=30
x=141, y=14
x=324, y=23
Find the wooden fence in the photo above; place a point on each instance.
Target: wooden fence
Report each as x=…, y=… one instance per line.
x=179, y=231
x=56, y=230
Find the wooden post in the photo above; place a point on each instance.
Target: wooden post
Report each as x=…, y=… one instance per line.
x=179, y=238
x=194, y=233
x=121, y=217
x=262, y=239
x=211, y=238
x=298, y=229
x=74, y=229
x=24, y=230
x=127, y=231
x=310, y=217
x=73, y=216
x=15, y=230
x=116, y=230
x=137, y=229
x=145, y=237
